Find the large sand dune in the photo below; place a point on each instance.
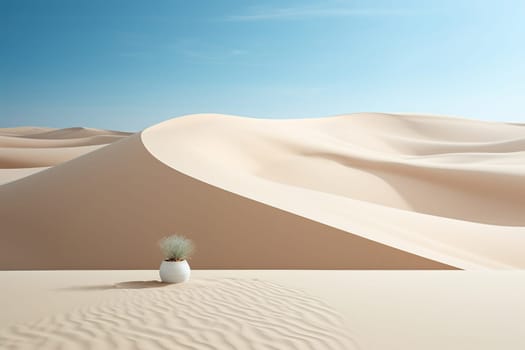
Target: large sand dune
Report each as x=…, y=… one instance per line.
x=355, y=191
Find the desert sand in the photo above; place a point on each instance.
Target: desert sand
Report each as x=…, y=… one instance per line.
x=220, y=313
x=27, y=150
x=372, y=310
x=359, y=191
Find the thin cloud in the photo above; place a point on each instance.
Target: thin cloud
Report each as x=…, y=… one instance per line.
x=298, y=13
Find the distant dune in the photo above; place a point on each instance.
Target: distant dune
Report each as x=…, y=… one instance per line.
x=27, y=150
x=364, y=191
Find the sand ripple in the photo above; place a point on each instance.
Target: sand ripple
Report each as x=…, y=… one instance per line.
x=204, y=314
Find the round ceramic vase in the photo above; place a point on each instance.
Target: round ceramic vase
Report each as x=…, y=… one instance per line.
x=174, y=271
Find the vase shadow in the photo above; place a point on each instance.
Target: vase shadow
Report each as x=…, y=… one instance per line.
x=120, y=285
x=140, y=284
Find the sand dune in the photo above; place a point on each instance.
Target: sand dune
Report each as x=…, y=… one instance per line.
x=205, y=314
x=67, y=133
x=353, y=191
x=12, y=158
x=23, y=130
x=26, y=142
x=27, y=150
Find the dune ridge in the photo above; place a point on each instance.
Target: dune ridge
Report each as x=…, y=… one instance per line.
x=354, y=191
x=203, y=314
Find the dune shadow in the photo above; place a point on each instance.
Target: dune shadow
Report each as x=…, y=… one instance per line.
x=416, y=183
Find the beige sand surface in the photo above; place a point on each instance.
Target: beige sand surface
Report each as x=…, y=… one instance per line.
x=356, y=191
x=213, y=313
x=376, y=310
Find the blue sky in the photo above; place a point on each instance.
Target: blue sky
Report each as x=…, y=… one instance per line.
x=130, y=64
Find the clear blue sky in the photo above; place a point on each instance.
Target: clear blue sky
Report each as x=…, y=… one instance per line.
x=130, y=64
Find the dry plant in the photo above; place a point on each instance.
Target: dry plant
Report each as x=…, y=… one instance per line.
x=176, y=248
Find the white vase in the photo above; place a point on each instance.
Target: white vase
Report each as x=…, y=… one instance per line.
x=174, y=271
